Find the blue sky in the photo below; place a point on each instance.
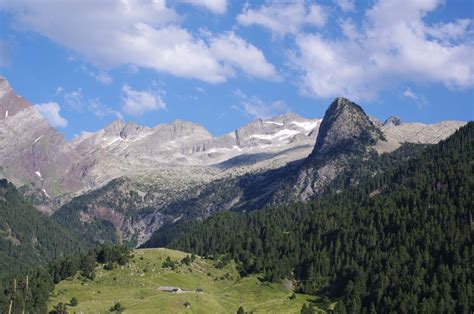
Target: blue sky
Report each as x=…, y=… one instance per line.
x=220, y=63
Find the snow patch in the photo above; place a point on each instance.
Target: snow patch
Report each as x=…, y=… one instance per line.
x=45, y=193
x=38, y=174
x=6, y=114
x=280, y=135
x=308, y=126
x=37, y=139
x=178, y=218
x=111, y=141
x=272, y=122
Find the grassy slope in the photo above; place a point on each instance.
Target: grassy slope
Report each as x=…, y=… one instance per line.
x=138, y=291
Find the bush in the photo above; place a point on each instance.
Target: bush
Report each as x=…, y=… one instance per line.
x=109, y=266
x=73, y=301
x=117, y=308
x=59, y=308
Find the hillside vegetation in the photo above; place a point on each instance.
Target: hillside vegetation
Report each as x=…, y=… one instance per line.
x=136, y=287
x=28, y=238
x=398, y=242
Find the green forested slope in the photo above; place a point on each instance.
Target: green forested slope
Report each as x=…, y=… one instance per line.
x=401, y=241
x=27, y=237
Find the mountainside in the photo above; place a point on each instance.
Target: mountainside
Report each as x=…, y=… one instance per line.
x=398, y=242
x=31, y=151
x=27, y=237
x=127, y=180
x=346, y=145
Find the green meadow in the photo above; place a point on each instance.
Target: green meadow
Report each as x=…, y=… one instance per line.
x=136, y=287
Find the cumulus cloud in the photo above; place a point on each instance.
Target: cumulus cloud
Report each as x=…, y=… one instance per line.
x=393, y=45
x=284, y=17
x=143, y=33
x=215, y=6
x=136, y=103
x=236, y=52
x=101, y=111
x=420, y=100
x=76, y=101
x=257, y=108
x=50, y=111
x=346, y=5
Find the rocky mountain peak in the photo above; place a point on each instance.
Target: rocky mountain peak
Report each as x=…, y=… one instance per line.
x=10, y=102
x=4, y=86
x=114, y=128
x=130, y=129
x=392, y=121
x=345, y=128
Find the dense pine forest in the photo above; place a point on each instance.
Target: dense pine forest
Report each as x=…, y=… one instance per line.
x=397, y=242
x=27, y=237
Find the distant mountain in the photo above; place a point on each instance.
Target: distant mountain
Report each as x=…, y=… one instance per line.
x=129, y=149
x=136, y=207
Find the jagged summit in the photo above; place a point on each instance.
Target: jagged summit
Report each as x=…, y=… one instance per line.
x=392, y=121
x=344, y=128
x=10, y=102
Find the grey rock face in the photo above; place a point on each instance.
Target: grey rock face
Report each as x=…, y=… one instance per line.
x=422, y=133
x=32, y=152
x=345, y=128
x=392, y=121
x=10, y=102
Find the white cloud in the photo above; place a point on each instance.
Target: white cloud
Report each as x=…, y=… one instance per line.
x=346, y=5
x=420, y=100
x=101, y=111
x=72, y=99
x=100, y=75
x=450, y=31
x=235, y=51
x=109, y=33
x=257, y=108
x=51, y=113
x=409, y=94
x=215, y=6
x=284, y=17
x=392, y=46
x=76, y=101
x=135, y=102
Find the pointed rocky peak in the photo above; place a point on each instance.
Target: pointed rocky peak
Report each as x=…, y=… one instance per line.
x=114, y=128
x=182, y=126
x=10, y=102
x=4, y=87
x=345, y=128
x=287, y=118
x=376, y=121
x=392, y=121
x=131, y=129
x=180, y=129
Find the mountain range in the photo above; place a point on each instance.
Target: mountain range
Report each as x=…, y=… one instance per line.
x=124, y=182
